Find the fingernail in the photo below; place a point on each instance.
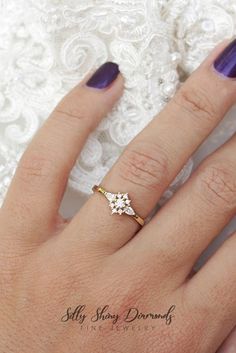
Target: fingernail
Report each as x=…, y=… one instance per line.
x=104, y=76
x=225, y=64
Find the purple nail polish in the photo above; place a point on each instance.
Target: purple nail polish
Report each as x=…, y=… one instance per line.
x=104, y=76
x=225, y=64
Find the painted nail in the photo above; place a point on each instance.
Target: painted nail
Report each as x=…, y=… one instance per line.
x=225, y=64
x=104, y=76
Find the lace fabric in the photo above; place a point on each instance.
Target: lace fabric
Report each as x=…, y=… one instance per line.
x=46, y=47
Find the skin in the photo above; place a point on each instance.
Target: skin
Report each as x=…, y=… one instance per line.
x=48, y=264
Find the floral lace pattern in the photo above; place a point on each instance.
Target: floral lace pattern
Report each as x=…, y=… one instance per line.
x=46, y=47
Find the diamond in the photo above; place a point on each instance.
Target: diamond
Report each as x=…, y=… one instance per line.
x=110, y=196
x=130, y=211
x=119, y=203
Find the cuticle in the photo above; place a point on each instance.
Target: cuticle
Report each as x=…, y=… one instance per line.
x=219, y=74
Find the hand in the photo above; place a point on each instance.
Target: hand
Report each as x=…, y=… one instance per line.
x=56, y=274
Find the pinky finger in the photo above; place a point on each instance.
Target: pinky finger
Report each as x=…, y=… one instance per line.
x=229, y=346
x=214, y=291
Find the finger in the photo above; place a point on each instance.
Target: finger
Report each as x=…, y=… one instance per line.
x=38, y=186
x=197, y=213
x=215, y=286
x=156, y=155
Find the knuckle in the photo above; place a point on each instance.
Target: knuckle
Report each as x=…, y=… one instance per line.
x=34, y=168
x=217, y=184
x=145, y=165
x=131, y=293
x=196, y=103
x=71, y=115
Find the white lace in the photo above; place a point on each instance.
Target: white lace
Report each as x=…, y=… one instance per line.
x=47, y=46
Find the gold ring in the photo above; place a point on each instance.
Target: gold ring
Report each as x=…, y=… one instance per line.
x=119, y=203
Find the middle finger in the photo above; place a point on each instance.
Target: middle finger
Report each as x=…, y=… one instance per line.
x=154, y=158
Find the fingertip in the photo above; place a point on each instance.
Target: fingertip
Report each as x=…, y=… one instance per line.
x=106, y=84
x=103, y=78
x=215, y=52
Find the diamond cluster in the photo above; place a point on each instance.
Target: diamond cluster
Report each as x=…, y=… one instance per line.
x=120, y=203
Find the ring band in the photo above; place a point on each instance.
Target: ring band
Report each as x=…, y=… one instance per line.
x=119, y=203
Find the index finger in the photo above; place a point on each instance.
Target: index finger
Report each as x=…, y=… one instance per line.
x=39, y=183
